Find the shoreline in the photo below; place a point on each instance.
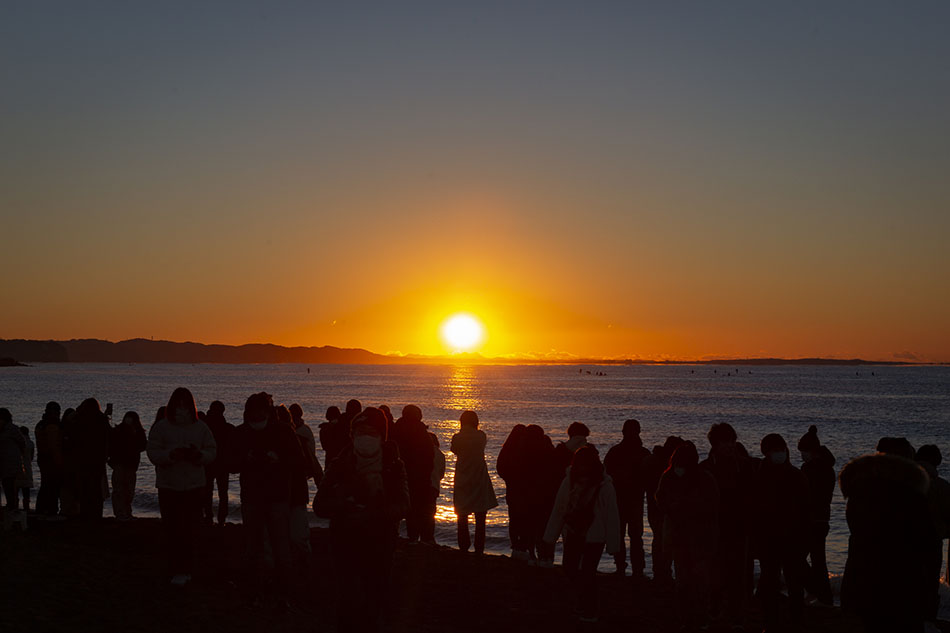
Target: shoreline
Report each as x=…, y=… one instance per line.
x=76, y=577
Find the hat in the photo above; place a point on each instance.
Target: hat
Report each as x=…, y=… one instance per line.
x=772, y=443
x=809, y=441
x=578, y=428
x=373, y=418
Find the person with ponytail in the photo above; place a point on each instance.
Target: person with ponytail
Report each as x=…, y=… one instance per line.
x=818, y=464
x=586, y=513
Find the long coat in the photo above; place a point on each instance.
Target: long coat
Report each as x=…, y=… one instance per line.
x=473, y=488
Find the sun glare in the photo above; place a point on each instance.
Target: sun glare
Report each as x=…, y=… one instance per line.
x=462, y=332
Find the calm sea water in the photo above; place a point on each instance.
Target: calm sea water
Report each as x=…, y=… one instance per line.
x=852, y=407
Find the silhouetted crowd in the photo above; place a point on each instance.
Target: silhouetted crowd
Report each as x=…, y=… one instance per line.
x=710, y=519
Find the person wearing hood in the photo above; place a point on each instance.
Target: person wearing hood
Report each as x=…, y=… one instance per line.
x=624, y=463
x=654, y=467
x=49, y=457
x=586, y=514
x=365, y=494
x=734, y=471
x=818, y=465
x=938, y=497
x=888, y=574
x=542, y=480
x=416, y=452
x=511, y=468
x=473, y=492
x=689, y=499
x=180, y=445
x=779, y=536
x=89, y=444
x=270, y=462
x=125, y=453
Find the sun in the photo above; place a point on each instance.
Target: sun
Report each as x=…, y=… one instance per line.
x=462, y=332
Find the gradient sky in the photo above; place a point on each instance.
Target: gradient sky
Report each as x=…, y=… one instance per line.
x=611, y=179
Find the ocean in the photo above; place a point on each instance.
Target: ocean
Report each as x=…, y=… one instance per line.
x=852, y=406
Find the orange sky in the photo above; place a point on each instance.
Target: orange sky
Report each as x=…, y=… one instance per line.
x=610, y=183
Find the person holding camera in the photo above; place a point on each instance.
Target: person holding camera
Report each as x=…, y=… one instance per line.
x=180, y=445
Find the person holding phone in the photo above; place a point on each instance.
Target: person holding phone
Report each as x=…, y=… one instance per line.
x=180, y=445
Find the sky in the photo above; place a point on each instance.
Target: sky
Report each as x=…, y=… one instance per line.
x=677, y=180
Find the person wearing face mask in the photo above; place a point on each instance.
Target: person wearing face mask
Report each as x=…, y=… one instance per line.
x=781, y=522
x=268, y=457
x=734, y=472
x=689, y=498
x=180, y=445
x=818, y=464
x=365, y=494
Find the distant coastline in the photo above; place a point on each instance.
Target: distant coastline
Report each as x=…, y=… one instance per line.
x=149, y=351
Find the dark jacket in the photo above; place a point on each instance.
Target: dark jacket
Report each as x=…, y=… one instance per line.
x=625, y=463
x=735, y=477
x=49, y=444
x=269, y=462
x=223, y=432
x=416, y=452
x=342, y=496
x=780, y=517
x=126, y=445
x=690, y=505
x=887, y=571
x=653, y=468
x=822, y=480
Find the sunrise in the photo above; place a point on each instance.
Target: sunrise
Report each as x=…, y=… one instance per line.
x=486, y=316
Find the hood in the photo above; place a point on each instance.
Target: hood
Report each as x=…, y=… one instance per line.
x=825, y=457
x=867, y=471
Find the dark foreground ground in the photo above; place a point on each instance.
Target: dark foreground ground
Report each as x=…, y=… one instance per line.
x=74, y=578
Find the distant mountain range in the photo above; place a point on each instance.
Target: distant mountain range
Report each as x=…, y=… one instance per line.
x=147, y=351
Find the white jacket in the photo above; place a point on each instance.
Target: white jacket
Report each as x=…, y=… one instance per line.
x=605, y=527
x=163, y=438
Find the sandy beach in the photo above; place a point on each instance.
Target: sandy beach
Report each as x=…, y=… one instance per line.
x=110, y=577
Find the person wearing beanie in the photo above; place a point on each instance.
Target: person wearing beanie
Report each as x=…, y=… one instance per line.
x=818, y=465
x=781, y=523
x=689, y=497
x=473, y=492
x=577, y=433
x=624, y=463
x=365, y=494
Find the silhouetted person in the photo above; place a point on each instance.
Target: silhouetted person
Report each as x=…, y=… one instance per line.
x=180, y=445
x=390, y=419
x=818, y=464
x=364, y=493
x=217, y=472
x=49, y=458
x=305, y=434
x=625, y=465
x=334, y=434
x=353, y=408
x=125, y=453
x=512, y=468
x=24, y=482
x=689, y=499
x=415, y=450
x=435, y=490
x=473, y=492
x=543, y=478
x=888, y=577
x=267, y=454
x=11, y=464
x=735, y=473
x=577, y=434
x=586, y=513
x=654, y=467
x=299, y=497
x=780, y=533
x=69, y=491
x=89, y=444
x=938, y=498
